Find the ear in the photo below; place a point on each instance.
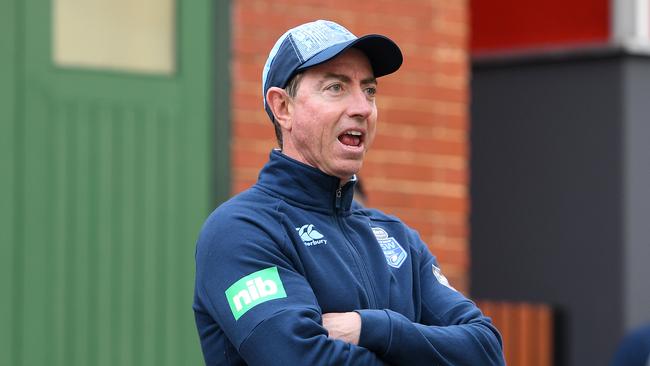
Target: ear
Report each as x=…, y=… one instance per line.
x=280, y=104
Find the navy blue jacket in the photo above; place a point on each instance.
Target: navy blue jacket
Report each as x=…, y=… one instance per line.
x=634, y=349
x=274, y=258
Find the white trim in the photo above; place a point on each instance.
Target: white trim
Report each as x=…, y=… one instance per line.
x=630, y=24
x=642, y=19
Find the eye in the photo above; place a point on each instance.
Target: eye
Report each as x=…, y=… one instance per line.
x=335, y=87
x=371, y=91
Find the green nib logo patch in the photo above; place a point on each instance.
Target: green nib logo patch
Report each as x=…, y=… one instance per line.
x=254, y=289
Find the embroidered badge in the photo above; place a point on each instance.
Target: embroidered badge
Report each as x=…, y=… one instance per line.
x=394, y=253
x=310, y=236
x=440, y=277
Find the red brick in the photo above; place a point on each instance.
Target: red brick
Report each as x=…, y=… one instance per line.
x=254, y=131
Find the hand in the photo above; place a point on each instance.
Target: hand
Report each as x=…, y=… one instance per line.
x=343, y=326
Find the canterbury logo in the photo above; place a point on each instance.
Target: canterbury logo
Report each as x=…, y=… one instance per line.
x=310, y=236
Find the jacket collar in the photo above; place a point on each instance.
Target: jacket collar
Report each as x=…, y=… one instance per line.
x=304, y=185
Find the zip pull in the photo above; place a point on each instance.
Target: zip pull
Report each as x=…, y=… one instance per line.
x=338, y=198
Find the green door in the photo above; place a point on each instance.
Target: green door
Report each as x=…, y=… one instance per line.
x=108, y=175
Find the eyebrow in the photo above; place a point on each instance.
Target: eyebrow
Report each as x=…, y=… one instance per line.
x=346, y=79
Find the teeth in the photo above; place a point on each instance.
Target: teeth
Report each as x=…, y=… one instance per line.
x=353, y=133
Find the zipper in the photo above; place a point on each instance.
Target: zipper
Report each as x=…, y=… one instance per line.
x=372, y=297
x=338, y=200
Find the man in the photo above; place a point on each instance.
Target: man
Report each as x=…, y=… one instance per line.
x=291, y=271
x=634, y=348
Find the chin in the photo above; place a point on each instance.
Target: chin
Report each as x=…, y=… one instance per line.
x=348, y=170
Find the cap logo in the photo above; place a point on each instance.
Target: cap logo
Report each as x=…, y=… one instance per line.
x=311, y=38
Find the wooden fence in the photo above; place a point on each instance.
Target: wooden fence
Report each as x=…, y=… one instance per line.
x=527, y=331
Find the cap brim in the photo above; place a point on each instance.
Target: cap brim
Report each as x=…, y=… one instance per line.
x=384, y=55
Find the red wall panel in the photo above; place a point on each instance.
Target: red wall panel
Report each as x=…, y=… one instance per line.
x=514, y=24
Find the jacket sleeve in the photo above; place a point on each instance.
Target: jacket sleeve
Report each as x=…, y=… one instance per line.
x=250, y=282
x=451, y=331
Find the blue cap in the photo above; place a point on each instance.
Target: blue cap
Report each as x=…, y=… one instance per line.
x=313, y=43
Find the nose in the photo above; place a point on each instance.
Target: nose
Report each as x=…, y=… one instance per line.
x=361, y=106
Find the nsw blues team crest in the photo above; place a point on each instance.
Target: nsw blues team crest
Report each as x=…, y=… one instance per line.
x=395, y=254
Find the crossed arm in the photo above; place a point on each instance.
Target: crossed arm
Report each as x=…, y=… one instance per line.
x=343, y=326
x=293, y=330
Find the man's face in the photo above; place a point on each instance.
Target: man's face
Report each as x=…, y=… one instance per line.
x=333, y=115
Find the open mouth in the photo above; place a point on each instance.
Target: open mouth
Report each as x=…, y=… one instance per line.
x=351, y=138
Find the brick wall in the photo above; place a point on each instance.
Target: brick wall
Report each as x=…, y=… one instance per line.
x=417, y=167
